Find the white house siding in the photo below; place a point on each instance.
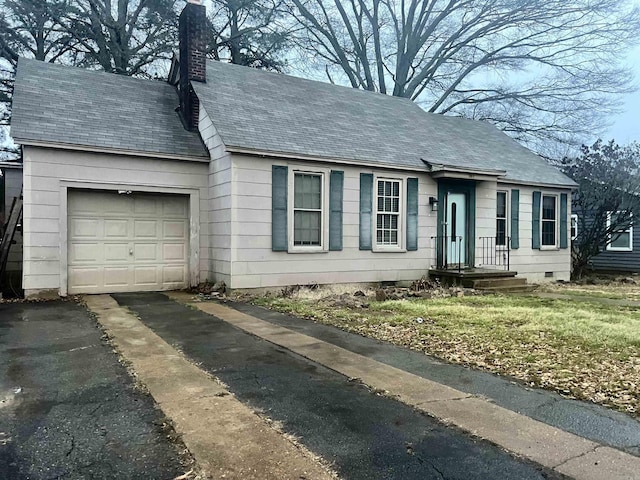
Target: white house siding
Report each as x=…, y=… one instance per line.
x=534, y=263
x=254, y=264
x=13, y=186
x=46, y=170
x=219, y=208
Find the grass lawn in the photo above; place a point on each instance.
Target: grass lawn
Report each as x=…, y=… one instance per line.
x=583, y=350
x=614, y=289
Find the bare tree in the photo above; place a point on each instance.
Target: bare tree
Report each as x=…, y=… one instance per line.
x=249, y=32
x=28, y=28
x=608, y=197
x=127, y=37
x=539, y=69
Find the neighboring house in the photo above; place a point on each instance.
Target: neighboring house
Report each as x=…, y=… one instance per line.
x=10, y=188
x=263, y=180
x=621, y=253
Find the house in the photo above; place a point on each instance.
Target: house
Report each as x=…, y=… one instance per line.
x=259, y=179
x=10, y=188
x=621, y=251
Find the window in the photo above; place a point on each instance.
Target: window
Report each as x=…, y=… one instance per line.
x=308, y=217
x=622, y=239
x=501, y=220
x=388, y=222
x=574, y=226
x=549, y=220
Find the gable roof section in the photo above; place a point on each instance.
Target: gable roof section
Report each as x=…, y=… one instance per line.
x=273, y=113
x=54, y=104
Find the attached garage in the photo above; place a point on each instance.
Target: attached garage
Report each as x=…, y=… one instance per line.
x=118, y=241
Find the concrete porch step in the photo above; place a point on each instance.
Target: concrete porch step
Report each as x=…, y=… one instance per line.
x=510, y=289
x=482, y=283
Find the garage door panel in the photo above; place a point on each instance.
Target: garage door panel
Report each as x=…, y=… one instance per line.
x=84, y=228
x=146, y=276
x=116, y=228
x=111, y=204
x=85, y=277
x=172, y=207
x=175, y=274
x=120, y=243
x=145, y=229
x=175, y=229
x=116, y=276
x=145, y=206
x=85, y=253
x=174, y=252
x=146, y=252
x=116, y=252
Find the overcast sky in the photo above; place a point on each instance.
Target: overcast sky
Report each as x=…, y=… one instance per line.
x=625, y=127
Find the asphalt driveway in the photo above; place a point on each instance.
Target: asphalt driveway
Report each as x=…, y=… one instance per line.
x=68, y=408
x=364, y=435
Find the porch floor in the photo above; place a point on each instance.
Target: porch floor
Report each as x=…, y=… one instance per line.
x=502, y=281
x=471, y=273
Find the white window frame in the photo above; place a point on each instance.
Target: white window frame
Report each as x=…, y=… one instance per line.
x=630, y=230
x=324, y=198
x=572, y=226
x=506, y=220
x=557, y=221
x=400, y=247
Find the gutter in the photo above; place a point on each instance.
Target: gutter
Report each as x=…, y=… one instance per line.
x=113, y=151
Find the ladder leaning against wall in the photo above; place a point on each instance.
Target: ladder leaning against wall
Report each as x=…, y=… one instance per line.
x=9, y=232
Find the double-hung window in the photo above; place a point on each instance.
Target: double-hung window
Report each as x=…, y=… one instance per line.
x=549, y=221
x=501, y=220
x=621, y=240
x=308, y=217
x=388, y=210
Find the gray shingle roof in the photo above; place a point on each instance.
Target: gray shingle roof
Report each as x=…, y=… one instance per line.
x=74, y=106
x=265, y=111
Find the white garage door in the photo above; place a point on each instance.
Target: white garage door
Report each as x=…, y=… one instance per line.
x=126, y=243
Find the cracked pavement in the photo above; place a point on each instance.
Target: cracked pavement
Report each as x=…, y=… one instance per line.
x=68, y=408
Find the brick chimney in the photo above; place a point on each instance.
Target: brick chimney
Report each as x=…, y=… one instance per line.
x=193, y=66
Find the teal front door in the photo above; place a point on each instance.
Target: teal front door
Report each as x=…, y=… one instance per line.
x=456, y=228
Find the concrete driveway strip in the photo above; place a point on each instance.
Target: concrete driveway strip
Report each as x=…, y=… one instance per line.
x=554, y=448
x=363, y=434
x=227, y=439
x=68, y=408
x=588, y=420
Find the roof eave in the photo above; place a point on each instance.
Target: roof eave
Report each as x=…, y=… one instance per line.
x=316, y=158
x=112, y=151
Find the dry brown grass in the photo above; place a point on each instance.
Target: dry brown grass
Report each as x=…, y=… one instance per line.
x=580, y=349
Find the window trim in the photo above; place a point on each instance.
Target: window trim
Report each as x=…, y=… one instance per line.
x=507, y=216
x=324, y=198
x=401, y=246
x=556, y=196
x=574, y=216
x=610, y=248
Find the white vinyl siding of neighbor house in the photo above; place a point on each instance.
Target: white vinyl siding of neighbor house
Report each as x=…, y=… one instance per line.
x=534, y=263
x=218, y=220
x=47, y=170
x=254, y=264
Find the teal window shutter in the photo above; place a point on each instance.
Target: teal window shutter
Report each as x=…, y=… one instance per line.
x=412, y=214
x=336, y=186
x=366, y=213
x=515, y=218
x=535, y=220
x=279, y=179
x=564, y=233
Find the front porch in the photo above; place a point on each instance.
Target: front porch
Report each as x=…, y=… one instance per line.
x=482, y=279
